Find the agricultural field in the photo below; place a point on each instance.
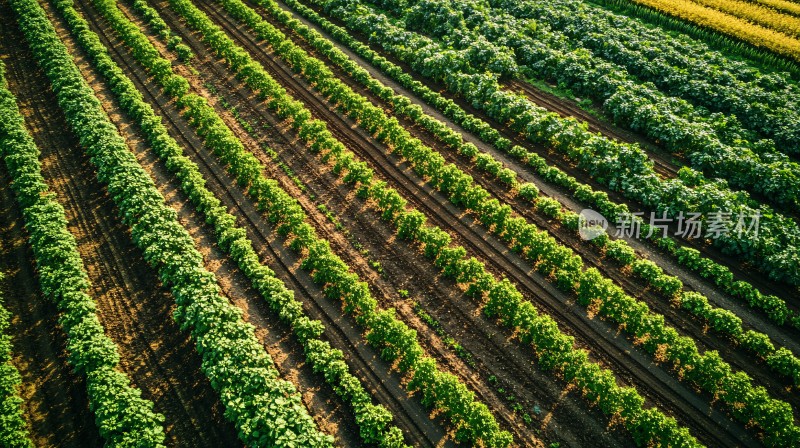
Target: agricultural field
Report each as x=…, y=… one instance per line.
x=399, y=223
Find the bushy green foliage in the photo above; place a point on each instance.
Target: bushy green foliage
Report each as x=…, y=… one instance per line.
x=773, y=306
x=436, y=243
x=13, y=430
x=123, y=417
x=472, y=419
x=623, y=167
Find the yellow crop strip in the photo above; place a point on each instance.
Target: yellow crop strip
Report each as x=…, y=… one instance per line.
x=782, y=6
x=703, y=16
x=760, y=15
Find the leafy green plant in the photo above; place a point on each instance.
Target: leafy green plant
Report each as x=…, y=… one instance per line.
x=773, y=306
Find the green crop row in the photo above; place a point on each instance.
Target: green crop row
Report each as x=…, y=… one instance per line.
x=552, y=258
